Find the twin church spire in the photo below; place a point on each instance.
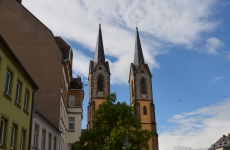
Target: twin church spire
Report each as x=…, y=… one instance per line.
x=140, y=83
x=99, y=51
x=138, y=54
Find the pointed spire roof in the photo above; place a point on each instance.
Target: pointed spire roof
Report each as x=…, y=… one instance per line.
x=99, y=52
x=138, y=55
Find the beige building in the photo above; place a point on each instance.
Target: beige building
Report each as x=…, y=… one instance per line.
x=48, y=60
x=141, y=96
x=222, y=144
x=16, y=100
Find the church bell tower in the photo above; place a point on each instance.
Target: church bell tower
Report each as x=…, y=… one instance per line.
x=99, y=79
x=141, y=96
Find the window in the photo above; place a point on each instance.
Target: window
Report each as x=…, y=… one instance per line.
x=132, y=88
x=69, y=146
x=22, y=144
x=50, y=140
x=26, y=100
x=145, y=110
x=2, y=131
x=71, y=100
x=43, y=140
x=142, y=71
x=100, y=83
x=35, y=140
x=13, y=135
x=100, y=68
x=55, y=143
x=71, y=123
x=18, y=90
x=143, y=86
x=7, y=83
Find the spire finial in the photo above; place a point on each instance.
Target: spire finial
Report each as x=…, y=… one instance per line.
x=99, y=19
x=136, y=24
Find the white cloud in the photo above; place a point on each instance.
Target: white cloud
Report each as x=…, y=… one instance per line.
x=80, y=60
x=227, y=54
x=197, y=129
x=212, y=45
x=177, y=22
x=217, y=79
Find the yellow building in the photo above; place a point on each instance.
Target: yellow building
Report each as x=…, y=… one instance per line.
x=16, y=101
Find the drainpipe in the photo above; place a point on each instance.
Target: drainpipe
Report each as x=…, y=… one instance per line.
x=31, y=117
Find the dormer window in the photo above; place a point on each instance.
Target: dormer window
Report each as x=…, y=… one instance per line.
x=142, y=71
x=100, y=68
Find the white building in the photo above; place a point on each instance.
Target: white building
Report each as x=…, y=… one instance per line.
x=44, y=135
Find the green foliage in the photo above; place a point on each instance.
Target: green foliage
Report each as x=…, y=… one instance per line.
x=110, y=125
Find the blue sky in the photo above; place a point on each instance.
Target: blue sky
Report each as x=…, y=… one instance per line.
x=185, y=43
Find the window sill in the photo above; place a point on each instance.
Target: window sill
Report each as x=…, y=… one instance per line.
x=7, y=96
x=34, y=148
x=71, y=130
x=3, y=147
x=18, y=105
x=26, y=112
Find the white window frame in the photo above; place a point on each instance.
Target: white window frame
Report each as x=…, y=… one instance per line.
x=3, y=124
x=18, y=91
x=13, y=137
x=7, y=82
x=22, y=140
x=35, y=136
x=43, y=140
x=72, y=99
x=26, y=100
x=55, y=143
x=50, y=141
x=69, y=146
x=72, y=121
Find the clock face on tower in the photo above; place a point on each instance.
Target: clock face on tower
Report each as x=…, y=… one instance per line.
x=144, y=96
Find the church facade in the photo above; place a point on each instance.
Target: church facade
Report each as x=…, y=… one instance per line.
x=140, y=83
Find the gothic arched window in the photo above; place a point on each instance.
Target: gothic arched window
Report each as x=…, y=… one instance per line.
x=143, y=86
x=145, y=110
x=100, y=83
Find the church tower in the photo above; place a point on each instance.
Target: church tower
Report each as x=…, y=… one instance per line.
x=99, y=79
x=141, y=96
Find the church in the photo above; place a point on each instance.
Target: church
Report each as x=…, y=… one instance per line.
x=140, y=84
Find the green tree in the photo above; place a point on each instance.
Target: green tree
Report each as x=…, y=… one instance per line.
x=110, y=125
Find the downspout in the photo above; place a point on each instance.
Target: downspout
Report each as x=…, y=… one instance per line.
x=31, y=117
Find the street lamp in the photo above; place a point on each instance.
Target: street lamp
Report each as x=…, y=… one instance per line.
x=127, y=144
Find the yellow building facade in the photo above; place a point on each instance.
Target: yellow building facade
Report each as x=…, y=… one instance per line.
x=16, y=101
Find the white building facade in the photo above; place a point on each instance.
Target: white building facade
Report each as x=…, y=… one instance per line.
x=44, y=135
